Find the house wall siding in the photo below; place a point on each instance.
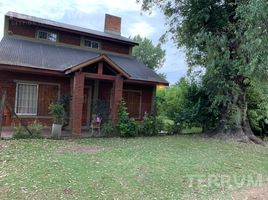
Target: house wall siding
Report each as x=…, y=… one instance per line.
x=146, y=96
x=7, y=82
x=115, y=47
x=23, y=29
x=69, y=38
x=28, y=29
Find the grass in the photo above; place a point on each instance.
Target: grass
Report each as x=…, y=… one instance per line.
x=192, y=130
x=139, y=168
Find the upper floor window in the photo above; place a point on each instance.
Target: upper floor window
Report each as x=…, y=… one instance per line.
x=46, y=35
x=92, y=44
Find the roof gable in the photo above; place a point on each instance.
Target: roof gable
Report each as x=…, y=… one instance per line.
x=96, y=60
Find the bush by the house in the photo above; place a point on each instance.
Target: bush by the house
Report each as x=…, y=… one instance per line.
x=108, y=129
x=58, y=113
x=35, y=128
x=164, y=125
x=148, y=126
x=126, y=126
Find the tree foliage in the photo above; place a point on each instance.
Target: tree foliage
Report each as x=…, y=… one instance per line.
x=186, y=103
x=150, y=55
x=228, y=38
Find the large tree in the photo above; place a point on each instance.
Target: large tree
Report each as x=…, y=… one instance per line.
x=228, y=38
x=153, y=56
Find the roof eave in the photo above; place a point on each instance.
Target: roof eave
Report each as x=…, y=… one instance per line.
x=30, y=69
x=133, y=80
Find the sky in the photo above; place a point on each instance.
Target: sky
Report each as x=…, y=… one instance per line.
x=90, y=14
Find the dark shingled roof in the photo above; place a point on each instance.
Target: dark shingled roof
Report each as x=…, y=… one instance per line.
x=26, y=53
x=70, y=27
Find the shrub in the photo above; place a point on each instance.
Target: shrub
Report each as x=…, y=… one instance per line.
x=35, y=128
x=127, y=127
x=149, y=126
x=108, y=129
x=163, y=125
x=58, y=112
x=169, y=126
x=133, y=128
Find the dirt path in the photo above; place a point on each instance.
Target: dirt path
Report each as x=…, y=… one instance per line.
x=260, y=193
x=73, y=147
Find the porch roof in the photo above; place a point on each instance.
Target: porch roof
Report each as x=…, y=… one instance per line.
x=20, y=52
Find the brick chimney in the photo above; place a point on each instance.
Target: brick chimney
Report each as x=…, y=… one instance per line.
x=112, y=24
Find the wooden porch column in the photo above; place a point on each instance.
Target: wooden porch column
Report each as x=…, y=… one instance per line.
x=77, y=102
x=117, y=97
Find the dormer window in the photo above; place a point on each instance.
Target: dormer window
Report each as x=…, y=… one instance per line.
x=92, y=44
x=46, y=35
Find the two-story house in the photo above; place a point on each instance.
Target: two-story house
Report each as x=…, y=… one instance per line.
x=42, y=60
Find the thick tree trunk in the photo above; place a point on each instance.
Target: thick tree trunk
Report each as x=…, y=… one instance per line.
x=234, y=123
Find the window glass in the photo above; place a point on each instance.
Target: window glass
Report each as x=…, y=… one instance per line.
x=47, y=36
x=95, y=45
x=26, y=99
x=42, y=35
x=52, y=37
x=91, y=44
x=88, y=43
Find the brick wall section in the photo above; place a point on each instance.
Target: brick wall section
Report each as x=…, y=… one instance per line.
x=112, y=24
x=7, y=82
x=77, y=103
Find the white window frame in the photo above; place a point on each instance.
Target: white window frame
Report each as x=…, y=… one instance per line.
x=16, y=98
x=47, y=38
x=92, y=41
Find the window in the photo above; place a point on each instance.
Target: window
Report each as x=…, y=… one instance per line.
x=26, y=99
x=45, y=35
x=92, y=44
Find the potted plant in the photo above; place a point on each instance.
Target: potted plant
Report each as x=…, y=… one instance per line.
x=58, y=113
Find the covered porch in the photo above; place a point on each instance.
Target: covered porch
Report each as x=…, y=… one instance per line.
x=96, y=90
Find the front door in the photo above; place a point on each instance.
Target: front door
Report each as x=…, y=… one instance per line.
x=87, y=106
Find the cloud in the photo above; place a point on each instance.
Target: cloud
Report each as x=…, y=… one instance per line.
x=56, y=9
x=142, y=28
x=45, y=9
x=52, y=9
x=95, y=6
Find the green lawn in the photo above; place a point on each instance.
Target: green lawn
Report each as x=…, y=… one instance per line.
x=140, y=168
